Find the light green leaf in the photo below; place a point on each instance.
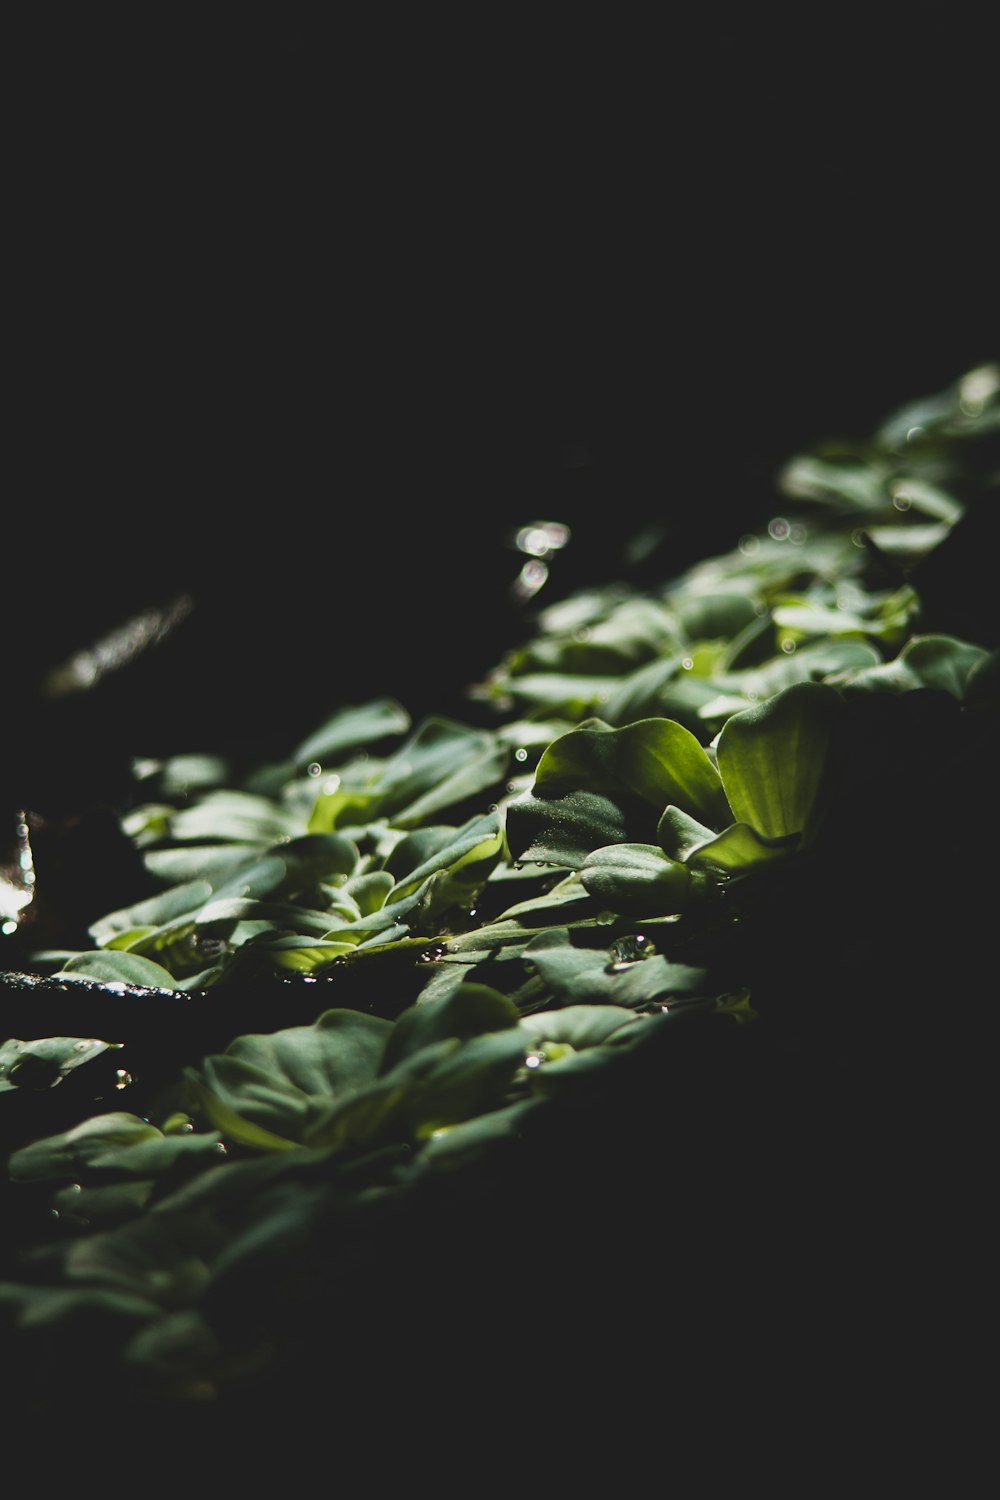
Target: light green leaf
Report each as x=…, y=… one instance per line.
x=740, y=848
x=182, y=901
x=772, y=757
x=233, y=816
x=597, y=786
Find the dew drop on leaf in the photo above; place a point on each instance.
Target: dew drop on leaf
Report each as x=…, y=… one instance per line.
x=632, y=949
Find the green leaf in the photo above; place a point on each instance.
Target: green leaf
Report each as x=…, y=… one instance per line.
x=942, y=662
x=590, y=975
x=679, y=835
x=740, y=848
x=852, y=485
x=477, y=842
x=597, y=786
x=159, y=1154
x=470, y=1011
x=909, y=541
x=441, y=765
x=467, y=1080
x=713, y=614
x=233, y=816
x=663, y=687
x=44, y=1062
x=351, y=729
x=72, y=1151
x=273, y=1083
x=215, y=863
x=571, y=696
x=182, y=901
x=562, y=830
x=113, y=967
x=772, y=757
x=300, y=955
x=577, y=1026
x=638, y=879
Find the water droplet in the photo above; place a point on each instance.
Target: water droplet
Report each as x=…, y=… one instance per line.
x=8, y=927
x=534, y=1059
x=858, y=537
x=520, y=753
x=914, y=434
x=778, y=529
x=123, y=1078
x=749, y=544
x=797, y=534
x=632, y=949
x=788, y=647
x=314, y=768
x=687, y=663
x=901, y=500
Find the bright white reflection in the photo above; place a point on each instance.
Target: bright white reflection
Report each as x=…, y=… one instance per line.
x=530, y=579
x=117, y=649
x=17, y=884
x=978, y=387
x=542, y=537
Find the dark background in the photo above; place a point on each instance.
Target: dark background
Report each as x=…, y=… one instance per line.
x=310, y=313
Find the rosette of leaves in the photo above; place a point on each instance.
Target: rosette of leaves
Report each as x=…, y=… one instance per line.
x=651, y=821
x=823, y=590
x=186, y=1242
x=303, y=867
